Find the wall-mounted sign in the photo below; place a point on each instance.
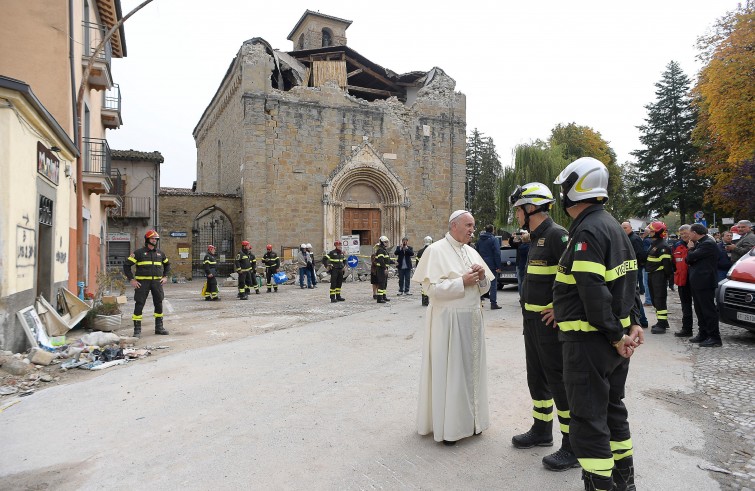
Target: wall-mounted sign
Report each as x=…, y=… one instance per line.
x=179, y=234
x=118, y=237
x=47, y=163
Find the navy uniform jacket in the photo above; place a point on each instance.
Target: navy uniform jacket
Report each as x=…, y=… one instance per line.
x=702, y=261
x=547, y=244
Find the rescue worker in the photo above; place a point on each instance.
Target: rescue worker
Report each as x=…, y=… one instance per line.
x=595, y=305
x=542, y=349
x=245, y=263
x=152, y=268
x=427, y=241
x=211, y=270
x=335, y=261
x=660, y=268
x=382, y=260
x=272, y=262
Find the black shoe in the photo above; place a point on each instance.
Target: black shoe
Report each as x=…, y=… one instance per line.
x=561, y=460
x=531, y=439
x=207, y=299
x=495, y=306
x=683, y=334
x=257, y=292
x=301, y=286
x=710, y=343
x=380, y=299
x=374, y=297
x=644, y=325
x=449, y=443
x=697, y=339
x=385, y=297
x=623, y=474
x=159, y=329
x=657, y=329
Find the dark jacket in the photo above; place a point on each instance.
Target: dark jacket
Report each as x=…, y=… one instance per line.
x=419, y=255
x=547, y=244
x=271, y=261
x=150, y=264
x=659, y=259
x=210, y=264
x=724, y=257
x=245, y=261
x=382, y=259
x=594, y=296
x=639, y=249
x=334, y=259
x=702, y=261
x=489, y=248
x=404, y=259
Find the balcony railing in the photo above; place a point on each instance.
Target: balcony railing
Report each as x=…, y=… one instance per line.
x=97, y=156
x=99, y=76
x=132, y=207
x=111, y=108
x=118, y=184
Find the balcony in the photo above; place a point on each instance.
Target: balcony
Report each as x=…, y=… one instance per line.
x=132, y=207
x=114, y=198
x=100, y=77
x=96, y=170
x=111, y=108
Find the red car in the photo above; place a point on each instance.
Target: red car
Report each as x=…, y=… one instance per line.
x=736, y=294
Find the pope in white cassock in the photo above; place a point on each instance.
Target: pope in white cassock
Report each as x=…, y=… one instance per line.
x=453, y=390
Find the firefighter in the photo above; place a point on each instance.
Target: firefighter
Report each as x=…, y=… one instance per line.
x=427, y=241
x=152, y=268
x=211, y=272
x=382, y=260
x=245, y=269
x=335, y=261
x=272, y=262
x=542, y=348
x=660, y=268
x=596, y=307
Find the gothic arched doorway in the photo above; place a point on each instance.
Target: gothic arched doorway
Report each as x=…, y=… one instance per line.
x=212, y=226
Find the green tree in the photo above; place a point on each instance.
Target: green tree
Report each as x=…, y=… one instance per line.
x=475, y=149
x=667, y=174
x=483, y=204
x=724, y=96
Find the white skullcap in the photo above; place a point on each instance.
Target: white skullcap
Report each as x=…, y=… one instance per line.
x=456, y=215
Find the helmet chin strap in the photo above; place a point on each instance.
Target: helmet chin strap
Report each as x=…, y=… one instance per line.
x=538, y=209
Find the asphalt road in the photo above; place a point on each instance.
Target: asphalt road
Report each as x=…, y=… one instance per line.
x=329, y=404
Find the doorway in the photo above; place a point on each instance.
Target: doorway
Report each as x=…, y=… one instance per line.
x=362, y=221
x=45, y=249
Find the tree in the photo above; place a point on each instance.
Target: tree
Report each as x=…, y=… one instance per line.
x=724, y=95
x=668, y=176
x=483, y=204
x=474, y=162
x=577, y=141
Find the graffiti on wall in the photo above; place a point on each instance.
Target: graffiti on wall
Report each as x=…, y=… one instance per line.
x=61, y=255
x=26, y=247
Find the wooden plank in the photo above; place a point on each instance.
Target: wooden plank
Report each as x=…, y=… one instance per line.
x=355, y=72
x=373, y=73
x=386, y=93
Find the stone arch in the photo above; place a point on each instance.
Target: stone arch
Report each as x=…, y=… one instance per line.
x=213, y=226
x=364, y=176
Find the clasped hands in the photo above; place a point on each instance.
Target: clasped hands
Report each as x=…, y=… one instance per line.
x=630, y=342
x=476, y=274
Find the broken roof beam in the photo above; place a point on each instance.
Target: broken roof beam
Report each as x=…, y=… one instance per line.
x=375, y=74
x=355, y=72
x=386, y=93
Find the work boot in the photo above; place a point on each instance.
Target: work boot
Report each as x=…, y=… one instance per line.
x=275, y=289
x=207, y=298
x=333, y=299
x=137, y=329
x=245, y=296
x=658, y=329
x=594, y=482
x=380, y=299
x=623, y=474
x=339, y=298
x=562, y=459
x=159, y=329
x=385, y=297
x=683, y=333
x=425, y=300
x=697, y=339
x=495, y=306
x=257, y=291
x=269, y=290
x=539, y=435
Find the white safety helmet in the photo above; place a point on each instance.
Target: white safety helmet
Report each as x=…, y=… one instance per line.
x=533, y=193
x=428, y=240
x=384, y=240
x=308, y=245
x=303, y=246
x=585, y=179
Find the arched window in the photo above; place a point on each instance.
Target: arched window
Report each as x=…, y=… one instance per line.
x=301, y=41
x=327, y=37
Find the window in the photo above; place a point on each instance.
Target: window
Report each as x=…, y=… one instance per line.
x=301, y=41
x=327, y=37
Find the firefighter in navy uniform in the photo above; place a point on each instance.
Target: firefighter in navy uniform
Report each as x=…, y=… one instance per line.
x=211, y=272
x=542, y=348
x=245, y=263
x=152, y=268
x=272, y=262
x=660, y=268
x=382, y=260
x=427, y=240
x=596, y=307
x=335, y=261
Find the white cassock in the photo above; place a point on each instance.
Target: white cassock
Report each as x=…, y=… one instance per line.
x=453, y=389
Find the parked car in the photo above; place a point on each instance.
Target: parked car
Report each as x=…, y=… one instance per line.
x=736, y=294
x=507, y=276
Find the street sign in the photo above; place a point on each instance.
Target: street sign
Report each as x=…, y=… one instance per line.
x=727, y=221
x=179, y=234
x=352, y=261
x=350, y=244
x=699, y=215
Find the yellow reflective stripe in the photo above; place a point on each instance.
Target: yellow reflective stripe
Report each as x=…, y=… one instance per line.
x=588, y=267
x=543, y=403
x=577, y=325
x=657, y=259
x=601, y=467
x=147, y=277
x=132, y=259
x=165, y=260
x=537, y=308
x=150, y=263
x=621, y=269
x=622, y=445
x=542, y=417
x=619, y=456
x=136, y=317
x=563, y=414
x=210, y=262
x=544, y=270
x=158, y=315
x=565, y=278
x=564, y=428
x=625, y=322
x=665, y=256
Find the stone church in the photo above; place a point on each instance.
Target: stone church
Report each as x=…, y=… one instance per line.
x=320, y=142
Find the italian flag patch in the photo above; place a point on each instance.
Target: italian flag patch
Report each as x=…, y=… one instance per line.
x=580, y=246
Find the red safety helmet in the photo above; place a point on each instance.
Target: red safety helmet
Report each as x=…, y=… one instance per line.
x=269, y=247
x=244, y=243
x=734, y=229
x=658, y=229
x=337, y=243
x=210, y=247
x=151, y=234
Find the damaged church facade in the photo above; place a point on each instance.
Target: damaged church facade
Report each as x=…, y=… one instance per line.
x=321, y=142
